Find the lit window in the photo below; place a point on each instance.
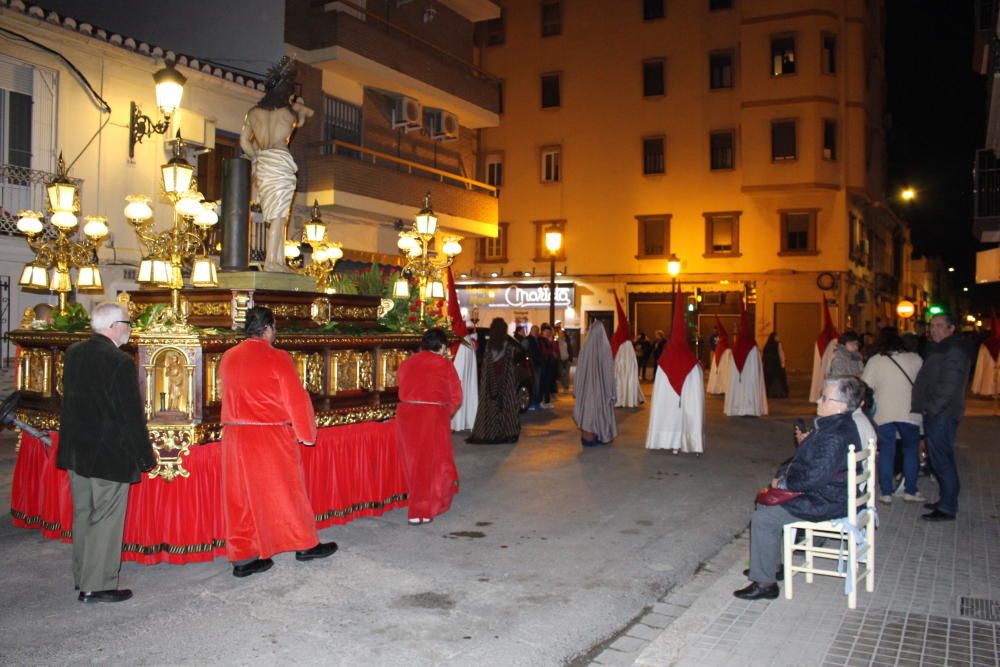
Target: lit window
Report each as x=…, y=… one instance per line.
x=782, y=56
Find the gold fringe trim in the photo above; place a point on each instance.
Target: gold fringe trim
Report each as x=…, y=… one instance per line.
x=172, y=549
x=37, y=521
x=371, y=505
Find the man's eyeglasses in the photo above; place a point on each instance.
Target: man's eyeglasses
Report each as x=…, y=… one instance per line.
x=831, y=398
x=124, y=322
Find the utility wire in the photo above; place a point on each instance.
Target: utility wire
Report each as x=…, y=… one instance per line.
x=96, y=97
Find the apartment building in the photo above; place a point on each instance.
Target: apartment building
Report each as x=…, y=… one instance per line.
x=400, y=110
x=746, y=139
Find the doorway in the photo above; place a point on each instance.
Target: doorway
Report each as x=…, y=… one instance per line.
x=797, y=325
x=605, y=317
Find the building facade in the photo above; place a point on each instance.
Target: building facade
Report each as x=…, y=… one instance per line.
x=400, y=111
x=744, y=138
x=54, y=73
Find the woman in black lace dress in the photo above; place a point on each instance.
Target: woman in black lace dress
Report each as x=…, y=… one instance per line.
x=497, y=420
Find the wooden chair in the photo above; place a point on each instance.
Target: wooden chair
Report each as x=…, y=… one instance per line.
x=854, y=533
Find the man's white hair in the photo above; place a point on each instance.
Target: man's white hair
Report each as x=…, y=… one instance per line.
x=105, y=314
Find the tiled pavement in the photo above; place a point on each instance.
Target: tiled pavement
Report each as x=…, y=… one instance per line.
x=936, y=599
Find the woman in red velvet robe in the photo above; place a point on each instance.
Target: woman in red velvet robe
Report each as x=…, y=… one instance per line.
x=266, y=413
x=429, y=393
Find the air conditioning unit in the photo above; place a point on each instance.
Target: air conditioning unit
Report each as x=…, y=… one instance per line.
x=441, y=125
x=406, y=114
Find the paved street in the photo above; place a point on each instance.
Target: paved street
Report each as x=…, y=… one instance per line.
x=548, y=550
x=551, y=555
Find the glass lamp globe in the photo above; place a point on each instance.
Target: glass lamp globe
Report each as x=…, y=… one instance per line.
x=95, y=226
x=64, y=220
x=189, y=205
x=405, y=243
x=206, y=215
x=452, y=248
x=169, y=89
x=137, y=208
x=29, y=222
x=292, y=250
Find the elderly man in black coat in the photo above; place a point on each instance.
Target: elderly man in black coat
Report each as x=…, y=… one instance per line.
x=818, y=471
x=104, y=445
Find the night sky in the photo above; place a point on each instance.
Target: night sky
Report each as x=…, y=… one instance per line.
x=937, y=114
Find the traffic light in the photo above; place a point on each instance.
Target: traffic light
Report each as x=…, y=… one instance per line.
x=935, y=310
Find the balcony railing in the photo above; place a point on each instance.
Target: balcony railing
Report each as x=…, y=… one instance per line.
x=23, y=189
x=986, y=185
x=343, y=148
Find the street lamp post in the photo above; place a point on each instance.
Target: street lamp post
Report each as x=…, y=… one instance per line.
x=673, y=269
x=553, y=242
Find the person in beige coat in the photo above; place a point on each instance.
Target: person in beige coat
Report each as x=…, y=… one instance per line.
x=890, y=373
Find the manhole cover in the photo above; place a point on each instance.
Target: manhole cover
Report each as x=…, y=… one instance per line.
x=979, y=608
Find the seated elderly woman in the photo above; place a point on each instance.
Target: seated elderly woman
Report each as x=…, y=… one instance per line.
x=818, y=471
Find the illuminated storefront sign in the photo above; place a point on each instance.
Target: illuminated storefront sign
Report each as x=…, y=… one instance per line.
x=516, y=296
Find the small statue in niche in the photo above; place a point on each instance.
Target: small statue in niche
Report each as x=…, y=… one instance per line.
x=173, y=380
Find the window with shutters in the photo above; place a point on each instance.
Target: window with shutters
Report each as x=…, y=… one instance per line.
x=828, y=54
x=653, y=159
x=16, y=89
x=829, y=139
x=722, y=234
x=494, y=169
x=798, y=232
x=551, y=18
x=551, y=164
x=550, y=91
x=341, y=122
x=494, y=250
x=654, y=236
x=721, y=146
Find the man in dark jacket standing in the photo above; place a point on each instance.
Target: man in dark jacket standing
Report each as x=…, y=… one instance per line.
x=104, y=445
x=939, y=395
x=818, y=471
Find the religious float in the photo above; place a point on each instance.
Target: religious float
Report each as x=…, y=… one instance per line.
x=345, y=356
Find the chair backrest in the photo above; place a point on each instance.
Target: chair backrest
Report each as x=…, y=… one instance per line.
x=859, y=488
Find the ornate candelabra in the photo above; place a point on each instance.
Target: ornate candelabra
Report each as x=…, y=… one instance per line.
x=323, y=256
x=168, y=252
x=423, y=263
x=61, y=252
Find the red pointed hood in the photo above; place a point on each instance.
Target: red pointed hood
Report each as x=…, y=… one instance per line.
x=677, y=359
x=993, y=342
x=455, y=313
x=722, y=342
x=829, y=332
x=745, y=341
x=623, y=332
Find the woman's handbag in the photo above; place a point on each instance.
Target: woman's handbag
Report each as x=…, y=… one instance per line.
x=770, y=495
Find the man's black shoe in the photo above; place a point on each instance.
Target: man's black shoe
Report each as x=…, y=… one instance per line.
x=757, y=592
x=253, y=567
x=321, y=550
x=930, y=506
x=938, y=515
x=779, y=575
x=119, y=595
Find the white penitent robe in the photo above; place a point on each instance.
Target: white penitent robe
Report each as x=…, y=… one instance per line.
x=718, y=374
x=746, y=394
x=821, y=367
x=465, y=365
x=627, y=378
x=984, y=381
x=677, y=422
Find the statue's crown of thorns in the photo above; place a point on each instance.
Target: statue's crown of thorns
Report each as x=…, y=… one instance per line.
x=283, y=71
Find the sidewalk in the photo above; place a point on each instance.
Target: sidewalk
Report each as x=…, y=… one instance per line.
x=936, y=599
